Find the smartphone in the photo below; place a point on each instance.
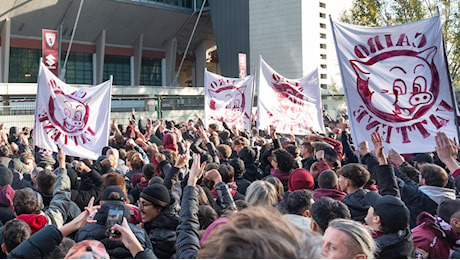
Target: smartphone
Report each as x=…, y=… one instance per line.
x=115, y=216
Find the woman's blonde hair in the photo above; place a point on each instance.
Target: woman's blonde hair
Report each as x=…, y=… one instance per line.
x=261, y=193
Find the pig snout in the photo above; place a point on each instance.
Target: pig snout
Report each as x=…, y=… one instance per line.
x=421, y=98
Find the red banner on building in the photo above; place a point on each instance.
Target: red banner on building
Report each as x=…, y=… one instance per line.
x=50, y=51
x=242, y=63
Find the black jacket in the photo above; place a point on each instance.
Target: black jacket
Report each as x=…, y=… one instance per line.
x=38, y=246
x=252, y=173
x=97, y=231
x=395, y=245
x=81, y=197
x=162, y=232
x=357, y=204
x=412, y=195
x=188, y=238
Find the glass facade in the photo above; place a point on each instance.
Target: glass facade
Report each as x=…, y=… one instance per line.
x=24, y=64
x=79, y=68
x=151, y=72
x=119, y=67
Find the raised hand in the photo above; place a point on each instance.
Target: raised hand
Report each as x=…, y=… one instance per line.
x=363, y=148
x=182, y=160
x=196, y=170
x=379, y=147
x=447, y=150
x=213, y=175
x=394, y=156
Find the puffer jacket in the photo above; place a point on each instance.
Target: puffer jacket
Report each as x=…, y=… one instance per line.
x=97, y=231
x=162, y=231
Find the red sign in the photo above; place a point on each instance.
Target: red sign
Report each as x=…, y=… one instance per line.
x=50, y=52
x=242, y=63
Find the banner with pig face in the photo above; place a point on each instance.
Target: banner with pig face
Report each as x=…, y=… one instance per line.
x=75, y=119
x=396, y=82
x=228, y=99
x=292, y=105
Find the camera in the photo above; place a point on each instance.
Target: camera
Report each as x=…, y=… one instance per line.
x=114, y=216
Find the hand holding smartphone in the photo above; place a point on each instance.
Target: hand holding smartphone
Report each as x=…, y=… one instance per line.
x=114, y=216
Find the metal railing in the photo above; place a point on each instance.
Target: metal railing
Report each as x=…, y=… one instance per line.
x=20, y=112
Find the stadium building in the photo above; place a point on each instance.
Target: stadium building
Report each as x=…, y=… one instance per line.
x=157, y=50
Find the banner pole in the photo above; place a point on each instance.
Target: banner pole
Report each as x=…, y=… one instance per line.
x=449, y=77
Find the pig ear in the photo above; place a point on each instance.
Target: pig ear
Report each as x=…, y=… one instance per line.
x=242, y=89
x=86, y=101
x=428, y=54
x=359, y=69
x=212, y=93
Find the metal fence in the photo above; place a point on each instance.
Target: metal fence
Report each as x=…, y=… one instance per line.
x=20, y=112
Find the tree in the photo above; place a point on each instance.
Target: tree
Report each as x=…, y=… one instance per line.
x=376, y=13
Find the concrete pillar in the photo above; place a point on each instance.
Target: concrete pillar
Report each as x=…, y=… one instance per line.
x=138, y=45
x=200, y=64
x=100, y=53
x=171, y=51
x=163, y=72
x=5, y=51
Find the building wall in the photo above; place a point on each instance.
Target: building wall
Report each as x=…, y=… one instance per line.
x=230, y=20
x=276, y=34
x=310, y=36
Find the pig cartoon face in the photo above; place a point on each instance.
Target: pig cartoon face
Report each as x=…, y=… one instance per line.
x=228, y=102
x=398, y=86
x=72, y=117
x=290, y=100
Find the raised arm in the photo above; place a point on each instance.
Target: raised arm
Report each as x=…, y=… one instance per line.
x=188, y=239
x=447, y=150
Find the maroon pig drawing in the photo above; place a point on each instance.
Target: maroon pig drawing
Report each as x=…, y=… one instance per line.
x=408, y=93
x=72, y=117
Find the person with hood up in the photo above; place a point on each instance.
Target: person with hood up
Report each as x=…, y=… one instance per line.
x=251, y=171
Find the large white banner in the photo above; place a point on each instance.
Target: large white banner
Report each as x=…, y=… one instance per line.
x=75, y=119
x=396, y=82
x=292, y=105
x=229, y=99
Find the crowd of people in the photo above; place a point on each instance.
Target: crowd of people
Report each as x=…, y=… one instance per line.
x=165, y=189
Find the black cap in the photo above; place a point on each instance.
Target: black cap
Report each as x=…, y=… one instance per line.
x=331, y=155
x=111, y=189
x=393, y=213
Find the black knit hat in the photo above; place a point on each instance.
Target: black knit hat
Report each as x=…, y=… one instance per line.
x=158, y=194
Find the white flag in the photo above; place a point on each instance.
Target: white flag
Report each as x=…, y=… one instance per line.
x=75, y=119
x=228, y=98
x=292, y=105
x=396, y=82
